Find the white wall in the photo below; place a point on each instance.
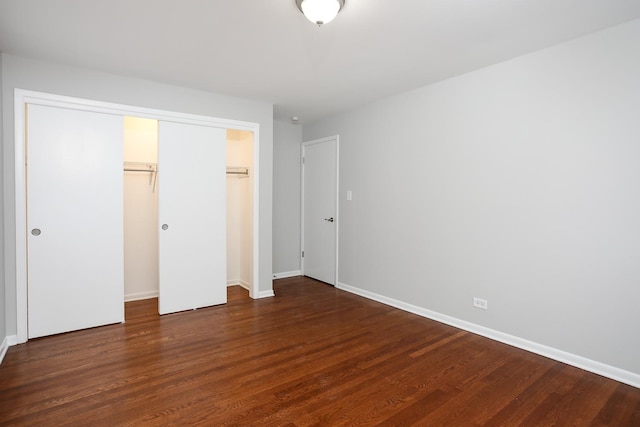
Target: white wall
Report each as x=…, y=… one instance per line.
x=286, y=198
x=23, y=73
x=239, y=212
x=518, y=183
x=140, y=211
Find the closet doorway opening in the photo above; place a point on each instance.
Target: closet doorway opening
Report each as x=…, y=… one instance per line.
x=140, y=208
x=142, y=178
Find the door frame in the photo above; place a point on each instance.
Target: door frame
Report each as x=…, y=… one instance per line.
x=23, y=97
x=305, y=144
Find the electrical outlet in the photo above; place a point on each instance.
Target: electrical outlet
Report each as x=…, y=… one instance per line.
x=480, y=303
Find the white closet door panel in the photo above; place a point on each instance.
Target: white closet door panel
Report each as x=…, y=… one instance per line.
x=75, y=198
x=192, y=204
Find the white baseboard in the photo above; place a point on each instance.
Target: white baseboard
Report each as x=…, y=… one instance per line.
x=287, y=274
x=247, y=286
x=265, y=294
x=3, y=348
x=7, y=342
x=141, y=295
x=599, y=368
x=241, y=283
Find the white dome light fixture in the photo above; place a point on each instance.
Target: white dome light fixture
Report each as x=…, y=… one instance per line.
x=320, y=12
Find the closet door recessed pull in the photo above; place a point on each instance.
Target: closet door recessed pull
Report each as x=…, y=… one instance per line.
x=165, y=226
x=36, y=232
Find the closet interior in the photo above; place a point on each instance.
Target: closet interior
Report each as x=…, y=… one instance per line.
x=143, y=176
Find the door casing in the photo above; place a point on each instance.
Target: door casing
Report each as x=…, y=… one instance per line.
x=23, y=97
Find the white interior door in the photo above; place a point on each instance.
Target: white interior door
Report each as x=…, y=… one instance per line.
x=320, y=176
x=192, y=216
x=74, y=220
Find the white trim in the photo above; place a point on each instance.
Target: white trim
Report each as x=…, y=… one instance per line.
x=53, y=100
x=300, y=257
x=22, y=97
x=238, y=282
x=3, y=348
x=337, y=195
x=287, y=274
x=254, y=288
x=140, y=296
x=266, y=294
x=337, y=137
x=20, y=216
x=599, y=368
x=7, y=342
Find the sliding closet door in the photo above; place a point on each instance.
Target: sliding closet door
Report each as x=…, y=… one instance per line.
x=192, y=214
x=74, y=219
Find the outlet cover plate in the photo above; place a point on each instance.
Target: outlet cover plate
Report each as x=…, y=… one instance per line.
x=480, y=303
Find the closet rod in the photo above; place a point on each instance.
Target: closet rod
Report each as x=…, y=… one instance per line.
x=144, y=167
x=238, y=171
x=150, y=167
x=140, y=167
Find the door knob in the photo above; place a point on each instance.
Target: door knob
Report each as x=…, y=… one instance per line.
x=36, y=232
x=329, y=219
x=165, y=227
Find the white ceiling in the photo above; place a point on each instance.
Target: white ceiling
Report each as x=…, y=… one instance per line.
x=266, y=49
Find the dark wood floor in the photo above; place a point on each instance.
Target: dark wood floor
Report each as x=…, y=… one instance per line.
x=313, y=355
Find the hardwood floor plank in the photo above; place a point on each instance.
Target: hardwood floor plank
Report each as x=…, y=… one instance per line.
x=619, y=408
x=313, y=355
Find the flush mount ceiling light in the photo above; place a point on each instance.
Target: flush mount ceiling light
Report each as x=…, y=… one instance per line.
x=320, y=11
